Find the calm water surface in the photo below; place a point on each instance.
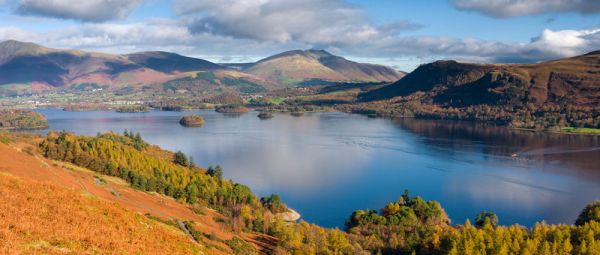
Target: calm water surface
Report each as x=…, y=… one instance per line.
x=326, y=165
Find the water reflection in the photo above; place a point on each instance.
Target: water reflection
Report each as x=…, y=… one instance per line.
x=327, y=165
x=549, y=151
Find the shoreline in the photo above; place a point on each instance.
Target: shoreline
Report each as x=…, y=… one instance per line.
x=290, y=216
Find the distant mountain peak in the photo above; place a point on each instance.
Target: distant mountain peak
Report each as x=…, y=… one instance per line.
x=314, y=65
x=18, y=45
x=169, y=62
x=596, y=52
x=12, y=48
x=154, y=53
x=320, y=53
x=11, y=42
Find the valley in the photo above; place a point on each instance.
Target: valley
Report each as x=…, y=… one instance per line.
x=554, y=96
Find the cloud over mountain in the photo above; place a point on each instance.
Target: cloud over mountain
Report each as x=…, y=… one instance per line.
x=309, y=21
x=87, y=11
x=512, y=8
x=548, y=45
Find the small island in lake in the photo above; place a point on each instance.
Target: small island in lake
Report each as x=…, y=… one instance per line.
x=232, y=109
x=265, y=115
x=133, y=109
x=22, y=119
x=192, y=121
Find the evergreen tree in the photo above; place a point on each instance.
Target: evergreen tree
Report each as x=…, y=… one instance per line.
x=486, y=217
x=181, y=159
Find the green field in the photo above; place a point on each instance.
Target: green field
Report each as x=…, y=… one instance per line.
x=277, y=100
x=580, y=130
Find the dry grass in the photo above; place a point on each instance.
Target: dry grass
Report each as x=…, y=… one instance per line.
x=38, y=218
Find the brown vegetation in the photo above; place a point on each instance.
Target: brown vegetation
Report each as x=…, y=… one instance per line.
x=232, y=109
x=43, y=218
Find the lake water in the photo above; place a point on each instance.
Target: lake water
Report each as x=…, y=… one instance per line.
x=326, y=165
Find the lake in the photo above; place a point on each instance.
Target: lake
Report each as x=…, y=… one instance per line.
x=326, y=165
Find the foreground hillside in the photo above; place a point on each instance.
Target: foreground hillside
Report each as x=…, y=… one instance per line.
x=19, y=158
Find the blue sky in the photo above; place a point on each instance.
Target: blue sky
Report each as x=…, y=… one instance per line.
x=402, y=34
x=440, y=18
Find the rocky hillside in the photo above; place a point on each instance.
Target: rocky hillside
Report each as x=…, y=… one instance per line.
x=574, y=81
x=312, y=66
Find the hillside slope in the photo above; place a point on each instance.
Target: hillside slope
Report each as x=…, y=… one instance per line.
x=27, y=64
x=574, y=81
x=295, y=67
x=167, y=62
x=75, y=184
x=547, y=95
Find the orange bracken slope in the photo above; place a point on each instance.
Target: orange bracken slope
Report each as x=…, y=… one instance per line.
x=55, y=196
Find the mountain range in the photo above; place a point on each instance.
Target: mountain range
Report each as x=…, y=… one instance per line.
x=31, y=68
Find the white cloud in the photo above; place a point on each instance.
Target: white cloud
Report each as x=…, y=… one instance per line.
x=307, y=21
x=567, y=42
x=87, y=10
x=15, y=33
x=512, y=8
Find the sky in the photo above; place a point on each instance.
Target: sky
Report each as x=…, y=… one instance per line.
x=398, y=33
